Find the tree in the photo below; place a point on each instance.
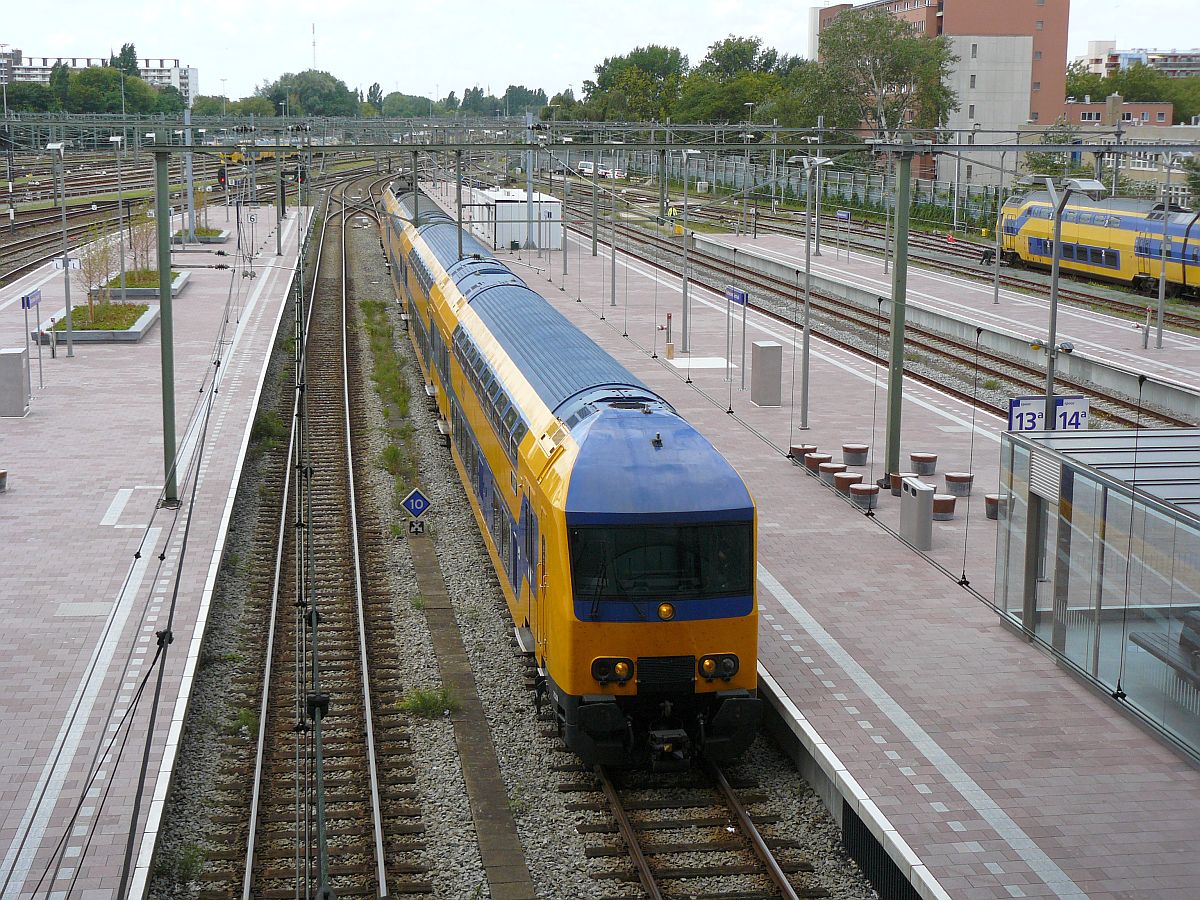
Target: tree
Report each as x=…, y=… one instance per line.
x=143, y=237
x=29, y=96
x=367, y=110
x=126, y=61
x=375, y=97
x=252, y=106
x=170, y=100
x=707, y=98
x=1191, y=171
x=1083, y=82
x=310, y=93
x=1059, y=164
x=206, y=105
x=451, y=102
x=734, y=55
x=405, y=106
x=894, y=75
x=473, y=101
x=96, y=260
x=60, y=82
x=644, y=83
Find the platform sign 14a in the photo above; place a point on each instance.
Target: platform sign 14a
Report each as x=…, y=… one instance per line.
x=1029, y=413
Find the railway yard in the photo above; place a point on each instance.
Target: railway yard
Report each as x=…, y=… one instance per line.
x=265, y=673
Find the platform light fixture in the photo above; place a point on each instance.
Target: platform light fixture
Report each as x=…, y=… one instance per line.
x=1059, y=195
x=120, y=142
x=57, y=152
x=811, y=165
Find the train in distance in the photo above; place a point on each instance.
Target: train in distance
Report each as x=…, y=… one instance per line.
x=1115, y=239
x=624, y=542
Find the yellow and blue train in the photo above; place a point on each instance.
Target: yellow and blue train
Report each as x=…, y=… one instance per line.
x=624, y=542
x=1116, y=239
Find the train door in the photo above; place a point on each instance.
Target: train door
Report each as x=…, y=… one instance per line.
x=543, y=583
x=1146, y=250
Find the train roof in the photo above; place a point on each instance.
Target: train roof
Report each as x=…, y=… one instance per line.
x=692, y=482
x=1108, y=204
x=559, y=360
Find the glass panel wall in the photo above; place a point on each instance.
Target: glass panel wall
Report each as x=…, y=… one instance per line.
x=1107, y=577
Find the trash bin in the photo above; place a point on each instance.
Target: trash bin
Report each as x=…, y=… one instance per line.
x=916, y=513
x=514, y=245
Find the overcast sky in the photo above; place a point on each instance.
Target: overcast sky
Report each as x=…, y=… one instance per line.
x=442, y=45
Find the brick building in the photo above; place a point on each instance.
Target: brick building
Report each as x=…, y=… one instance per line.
x=1011, y=69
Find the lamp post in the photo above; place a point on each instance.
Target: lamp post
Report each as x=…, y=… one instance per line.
x=1169, y=161
x=811, y=165
x=1068, y=187
x=999, y=225
x=56, y=150
x=223, y=80
x=746, y=168
x=686, y=343
x=119, y=141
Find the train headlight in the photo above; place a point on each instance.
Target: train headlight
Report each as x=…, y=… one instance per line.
x=666, y=612
x=719, y=665
x=607, y=669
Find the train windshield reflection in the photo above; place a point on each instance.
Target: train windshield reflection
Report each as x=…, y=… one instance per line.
x=661, y=562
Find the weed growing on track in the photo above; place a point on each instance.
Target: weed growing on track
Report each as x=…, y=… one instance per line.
x=269, y=432
x=429, y=703
x=399, y=458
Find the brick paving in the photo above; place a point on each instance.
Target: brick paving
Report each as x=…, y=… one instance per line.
x=85, y=471
x=1005, y=775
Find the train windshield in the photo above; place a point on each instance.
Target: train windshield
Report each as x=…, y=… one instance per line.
x=662, y=562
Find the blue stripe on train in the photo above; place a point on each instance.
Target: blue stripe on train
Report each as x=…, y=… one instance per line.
x=647, y=610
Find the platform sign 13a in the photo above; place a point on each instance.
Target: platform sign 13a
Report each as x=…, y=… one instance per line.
x=1029, y=413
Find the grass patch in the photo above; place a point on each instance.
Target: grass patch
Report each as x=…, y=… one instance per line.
x=202, y=232
x=428, y=703
x=418, y=603
x=103, y=317
x=912, y=356
x=399, y=457
x=991, y=384
x=180, y=867
x=139, y=278
x=269, y=431
x=246, y=719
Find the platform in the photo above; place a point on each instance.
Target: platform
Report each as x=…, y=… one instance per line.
x=993, y=773
x=1101, y=336
x=85, y=471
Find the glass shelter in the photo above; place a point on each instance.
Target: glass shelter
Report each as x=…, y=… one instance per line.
x=1098, y=558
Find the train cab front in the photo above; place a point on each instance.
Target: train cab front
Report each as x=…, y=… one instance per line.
x=661, y=544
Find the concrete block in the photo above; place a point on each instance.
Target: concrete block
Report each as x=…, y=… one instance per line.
x=766, y=373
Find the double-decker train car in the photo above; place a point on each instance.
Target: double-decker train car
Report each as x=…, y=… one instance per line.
x=624, y=542
x=1115, y=239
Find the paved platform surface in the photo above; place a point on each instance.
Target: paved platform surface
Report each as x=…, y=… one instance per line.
x=1106, y=337
x=1004, y=776
x=80, y=613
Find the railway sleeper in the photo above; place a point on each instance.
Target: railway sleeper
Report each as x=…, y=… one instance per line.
x=649, y=804
x=683, y=873
x=672, y=824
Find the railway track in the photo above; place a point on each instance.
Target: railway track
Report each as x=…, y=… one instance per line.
x=329, y=775
x=38, y=249
x=846, y=326
x=694, y=834
x=961, y=259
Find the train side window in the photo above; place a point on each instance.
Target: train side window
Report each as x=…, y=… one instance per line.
x=1113, y=222
x=1068, y=251
x=1086, y=218
x=510, y=419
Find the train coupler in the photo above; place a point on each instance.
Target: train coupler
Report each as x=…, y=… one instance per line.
x=670, y=750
